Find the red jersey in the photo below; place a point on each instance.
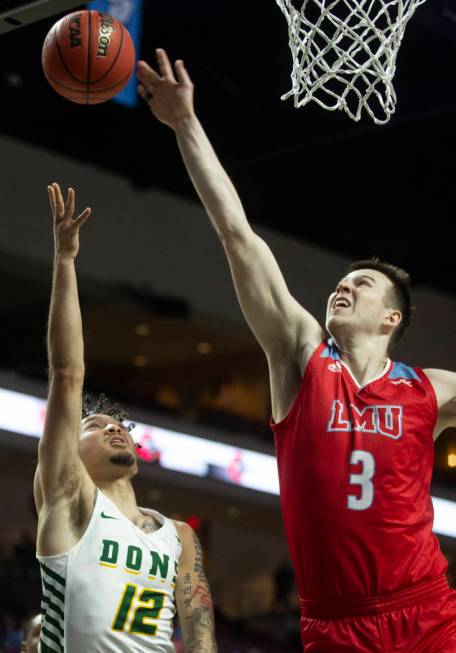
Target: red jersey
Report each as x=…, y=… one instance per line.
x=355, y=466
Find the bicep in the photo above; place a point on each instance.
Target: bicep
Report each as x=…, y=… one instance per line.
x=444, y=384
x=274, y=316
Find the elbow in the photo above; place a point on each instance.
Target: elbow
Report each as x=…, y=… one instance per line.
x=234, y=236
x=67, y=375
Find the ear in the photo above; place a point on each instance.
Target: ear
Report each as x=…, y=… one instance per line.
x=393, y=318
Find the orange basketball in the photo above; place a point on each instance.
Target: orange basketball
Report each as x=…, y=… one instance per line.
x=88, y=57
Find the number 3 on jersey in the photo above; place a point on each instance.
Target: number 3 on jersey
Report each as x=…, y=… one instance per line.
x=363, y=479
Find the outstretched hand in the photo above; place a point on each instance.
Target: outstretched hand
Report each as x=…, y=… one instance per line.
x=66, y=228
x=168, y=92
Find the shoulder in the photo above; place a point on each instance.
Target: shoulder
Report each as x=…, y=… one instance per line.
x=186, y=534
x=320, y=352
x=191, y=553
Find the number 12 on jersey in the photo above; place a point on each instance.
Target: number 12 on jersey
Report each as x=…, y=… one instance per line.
x=364, y=479
x=149, y=604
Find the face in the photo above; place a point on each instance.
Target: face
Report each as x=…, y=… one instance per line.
x=360, y=303
x=30, y=644
x=107, y=448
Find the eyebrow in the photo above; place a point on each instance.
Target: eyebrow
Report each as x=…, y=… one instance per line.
x=363, y=276
x=367, y=276
x=103, y=420
x=94, y=419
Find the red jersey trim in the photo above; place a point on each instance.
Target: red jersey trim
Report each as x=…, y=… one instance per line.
x=379, y=378
x=276, y=426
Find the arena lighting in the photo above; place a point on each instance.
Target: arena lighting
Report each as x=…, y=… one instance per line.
x=194, y=521
x=180, y=452
x=24, y=414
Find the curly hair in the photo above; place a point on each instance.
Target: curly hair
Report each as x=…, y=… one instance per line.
x=103, y=405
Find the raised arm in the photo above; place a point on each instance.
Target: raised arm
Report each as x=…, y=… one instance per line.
x=279, y=323
x=61, y=477
x=193, y=596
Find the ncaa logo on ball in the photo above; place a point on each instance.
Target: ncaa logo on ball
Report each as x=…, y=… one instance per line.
x=74, y=28
x=104, y=34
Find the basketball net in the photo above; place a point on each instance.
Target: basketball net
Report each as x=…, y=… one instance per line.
x=344, y=53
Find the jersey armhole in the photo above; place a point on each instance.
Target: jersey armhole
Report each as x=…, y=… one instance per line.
x=277, y=426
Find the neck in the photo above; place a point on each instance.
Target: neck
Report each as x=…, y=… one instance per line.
x=365, y=356
x=121, y=492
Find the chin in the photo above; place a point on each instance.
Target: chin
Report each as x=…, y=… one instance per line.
x=124, y=459
x=337, y=321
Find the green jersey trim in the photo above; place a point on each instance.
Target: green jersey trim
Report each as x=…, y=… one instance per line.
x=52, y=611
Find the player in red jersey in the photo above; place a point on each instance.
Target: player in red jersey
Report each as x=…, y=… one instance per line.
x=354, y=431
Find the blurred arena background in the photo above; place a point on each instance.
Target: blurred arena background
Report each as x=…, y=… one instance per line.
x=164, y=334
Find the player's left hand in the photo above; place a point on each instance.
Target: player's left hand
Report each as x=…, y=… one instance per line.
x=66, y=228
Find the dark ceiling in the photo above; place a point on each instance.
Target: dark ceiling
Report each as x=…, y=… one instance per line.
x=358, y=189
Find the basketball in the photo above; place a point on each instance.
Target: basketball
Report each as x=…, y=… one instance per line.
x=88, y=57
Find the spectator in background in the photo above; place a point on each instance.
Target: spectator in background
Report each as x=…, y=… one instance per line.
x=31, y=635
x=12, y=634
x=25, y=551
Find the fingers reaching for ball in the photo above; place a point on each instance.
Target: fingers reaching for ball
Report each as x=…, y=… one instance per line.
x=66, y=227
x=168, y=91
x=164, y=65
x=146, y=73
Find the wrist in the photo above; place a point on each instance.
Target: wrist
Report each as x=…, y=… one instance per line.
x=184, y=122
x=63, y=258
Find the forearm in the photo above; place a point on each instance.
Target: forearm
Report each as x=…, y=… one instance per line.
x=65, y=340
x=199, y=635
x=210, y=180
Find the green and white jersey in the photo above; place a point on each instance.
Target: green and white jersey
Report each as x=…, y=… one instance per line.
x=114, y=590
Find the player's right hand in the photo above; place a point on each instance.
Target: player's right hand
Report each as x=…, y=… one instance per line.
x=168, y=92
x=66, y=229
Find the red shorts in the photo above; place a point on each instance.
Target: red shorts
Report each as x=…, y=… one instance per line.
x=421, y=619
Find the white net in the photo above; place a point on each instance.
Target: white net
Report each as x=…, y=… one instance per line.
x=344, y=53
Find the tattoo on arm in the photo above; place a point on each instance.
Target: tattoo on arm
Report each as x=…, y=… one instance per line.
x=201, y=619
x=202, y=638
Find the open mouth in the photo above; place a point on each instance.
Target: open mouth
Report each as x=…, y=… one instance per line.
x=341, y=302
x=117, y=439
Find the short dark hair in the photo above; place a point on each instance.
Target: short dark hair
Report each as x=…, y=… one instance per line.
x=400, y=297
x=104, y=406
